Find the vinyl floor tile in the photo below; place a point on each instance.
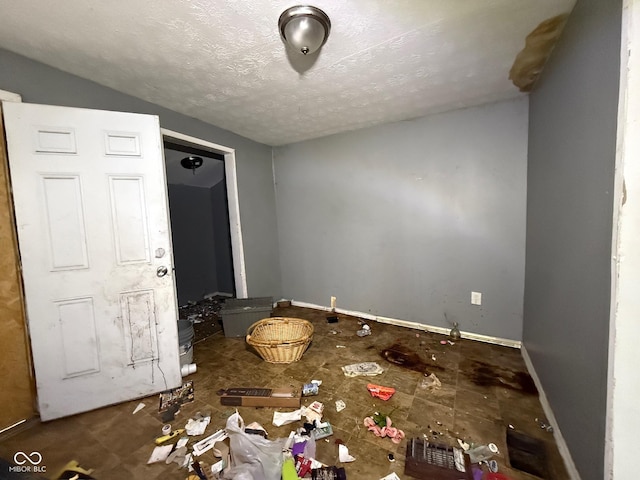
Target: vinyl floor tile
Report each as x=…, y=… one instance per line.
x=485, y=390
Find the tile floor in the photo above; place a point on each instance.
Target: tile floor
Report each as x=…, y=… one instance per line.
x=485, y=388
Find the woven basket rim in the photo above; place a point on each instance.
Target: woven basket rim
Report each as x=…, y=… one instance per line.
x=279, y=320
x=301, y=340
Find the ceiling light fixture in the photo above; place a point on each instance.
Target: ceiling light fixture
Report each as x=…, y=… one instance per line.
x=191, y=162
x=304, y=28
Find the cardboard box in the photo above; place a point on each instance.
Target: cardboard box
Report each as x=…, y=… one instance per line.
x=261, y=397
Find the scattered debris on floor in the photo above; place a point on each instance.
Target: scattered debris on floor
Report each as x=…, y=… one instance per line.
x=364, y=331
x=544, y=425
x=328, y=473
x=284, y=418
x=367, y=369
x=170, y=436
x=426, y=461
x=391, y=476
x=214, y=446
x=343, y=454
x=378, y=391
x=380, y=425
x=430, y=382
x=482, y=453
x=260, y=397
x=73, y=470
x=205, y=316
x=312, y=388
x=188, y=369
x=198, y=424
x=454, y=333
x=172, y=400
x=160, y=453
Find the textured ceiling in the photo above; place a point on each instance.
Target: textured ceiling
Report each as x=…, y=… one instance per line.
x=222, y=61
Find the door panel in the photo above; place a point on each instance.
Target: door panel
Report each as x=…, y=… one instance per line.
x=91, y=207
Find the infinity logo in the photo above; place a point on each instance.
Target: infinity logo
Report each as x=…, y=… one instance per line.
x=34, y=458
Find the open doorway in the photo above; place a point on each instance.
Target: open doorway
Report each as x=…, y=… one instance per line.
x=199, y=223
x=205, y=224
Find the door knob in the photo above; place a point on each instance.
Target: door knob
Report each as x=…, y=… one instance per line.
x=162, y=271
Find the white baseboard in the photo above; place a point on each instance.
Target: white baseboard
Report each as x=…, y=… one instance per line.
x=551, y=419
x=413, y=325
x=560, y=442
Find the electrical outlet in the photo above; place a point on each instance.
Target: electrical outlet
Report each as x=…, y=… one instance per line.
x=476, y=298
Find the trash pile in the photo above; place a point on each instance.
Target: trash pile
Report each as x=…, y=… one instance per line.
x=240, y=451
x=205, y=316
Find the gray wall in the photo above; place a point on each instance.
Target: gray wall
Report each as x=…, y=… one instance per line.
x=38, y=83
x=222, y=238
x=194, y=251
x=404, y=220
x=572, y=147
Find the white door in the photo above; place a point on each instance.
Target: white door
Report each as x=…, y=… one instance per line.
x=93, y=231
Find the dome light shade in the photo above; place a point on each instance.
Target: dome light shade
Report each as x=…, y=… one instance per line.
x=304, y=28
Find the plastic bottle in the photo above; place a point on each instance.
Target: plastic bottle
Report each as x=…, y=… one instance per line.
x=482, y=453
x=454, y=334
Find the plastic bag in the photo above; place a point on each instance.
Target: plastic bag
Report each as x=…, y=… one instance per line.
x=310, y=448
x=252, y=456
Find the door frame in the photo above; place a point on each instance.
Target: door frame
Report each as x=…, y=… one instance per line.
x=235, y=227
x=24, y=400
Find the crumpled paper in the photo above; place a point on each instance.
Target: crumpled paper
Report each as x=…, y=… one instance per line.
x=431, y=382
x=197, y=425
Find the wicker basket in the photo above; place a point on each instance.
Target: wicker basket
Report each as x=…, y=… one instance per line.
x=280, y=339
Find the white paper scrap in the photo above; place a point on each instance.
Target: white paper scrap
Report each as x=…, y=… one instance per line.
x=182, y=442
x=197, y=426
x=207, y=443
x=343, y=454
x=283, y=418
x=139, y=407
x=311, y=415
x=365, y=369
x=289, y=442
x=340, y=405
x=160, y=453
x=316, y=464
x=391, y=476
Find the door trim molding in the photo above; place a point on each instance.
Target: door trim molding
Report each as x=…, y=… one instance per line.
x=237, y=245
x=7, y=96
